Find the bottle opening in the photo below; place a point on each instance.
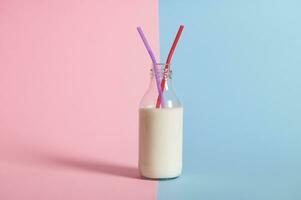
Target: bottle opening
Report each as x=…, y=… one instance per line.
x=163, y=69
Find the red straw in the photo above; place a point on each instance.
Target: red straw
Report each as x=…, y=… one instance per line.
x=171, y=51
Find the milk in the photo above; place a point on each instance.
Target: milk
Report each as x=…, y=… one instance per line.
x=160, y=142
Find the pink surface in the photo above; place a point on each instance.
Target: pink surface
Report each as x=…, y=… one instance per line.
x=71, y=77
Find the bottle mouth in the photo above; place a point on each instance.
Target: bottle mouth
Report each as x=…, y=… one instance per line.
x=163, y=69
x=161, y=65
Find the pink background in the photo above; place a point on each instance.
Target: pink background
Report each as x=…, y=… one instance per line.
x=71, y=77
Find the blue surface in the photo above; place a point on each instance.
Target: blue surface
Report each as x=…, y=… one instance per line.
x=237, y=71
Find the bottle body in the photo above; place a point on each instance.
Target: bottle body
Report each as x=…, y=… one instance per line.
x=160, y=135
x=160, y=142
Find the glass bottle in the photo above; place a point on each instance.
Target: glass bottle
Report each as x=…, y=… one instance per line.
x=160, y=130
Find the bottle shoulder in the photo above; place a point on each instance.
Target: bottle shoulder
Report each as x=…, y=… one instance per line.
x=150, y=98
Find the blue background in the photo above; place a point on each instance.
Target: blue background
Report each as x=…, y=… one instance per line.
x=237, y=72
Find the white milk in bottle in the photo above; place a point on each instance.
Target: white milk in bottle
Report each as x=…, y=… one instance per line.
x=160, y=132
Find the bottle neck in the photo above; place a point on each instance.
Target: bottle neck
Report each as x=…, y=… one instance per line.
x=164, y=75
x=151, y=98
x=167, y=83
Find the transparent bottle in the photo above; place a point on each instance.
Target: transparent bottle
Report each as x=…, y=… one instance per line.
x=160, y=130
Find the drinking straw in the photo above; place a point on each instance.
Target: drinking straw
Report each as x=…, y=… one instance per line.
x=150, y=52
x=171, y=51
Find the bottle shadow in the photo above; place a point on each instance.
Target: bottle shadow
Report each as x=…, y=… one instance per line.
x=87, y=165
x=97, y=167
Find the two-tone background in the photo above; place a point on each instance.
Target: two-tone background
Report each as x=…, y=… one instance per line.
x=72, y=74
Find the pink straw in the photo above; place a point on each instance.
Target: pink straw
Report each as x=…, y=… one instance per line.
x=150, y=52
